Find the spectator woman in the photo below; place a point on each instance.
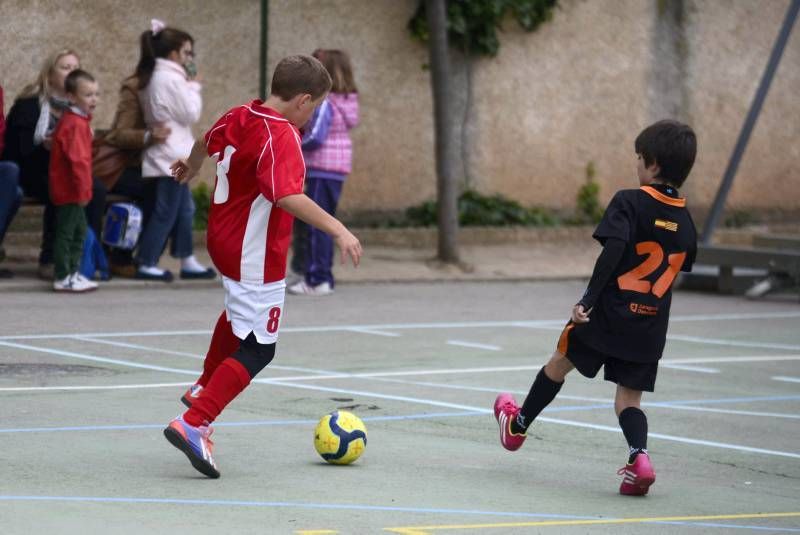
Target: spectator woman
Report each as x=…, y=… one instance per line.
x=170, y=98
x=131, y=136
x=29, y=127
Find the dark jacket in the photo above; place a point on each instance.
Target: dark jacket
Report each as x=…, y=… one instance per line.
x=33, y=160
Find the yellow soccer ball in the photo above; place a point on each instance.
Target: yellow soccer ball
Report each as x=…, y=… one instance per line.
x=340, y=437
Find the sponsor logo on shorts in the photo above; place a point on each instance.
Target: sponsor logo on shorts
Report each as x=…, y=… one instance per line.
x=644, y=310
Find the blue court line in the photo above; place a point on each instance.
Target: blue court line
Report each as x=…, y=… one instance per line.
x=351, y=507
x=232, y=424
x=248, y=503
x=726, y=526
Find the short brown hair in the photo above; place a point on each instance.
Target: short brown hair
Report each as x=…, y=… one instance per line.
x=299, y=74
x=73, y=79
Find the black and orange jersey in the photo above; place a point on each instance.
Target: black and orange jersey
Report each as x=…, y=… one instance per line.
x=629, y=320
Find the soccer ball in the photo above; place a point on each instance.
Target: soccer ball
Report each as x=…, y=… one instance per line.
x=340, y=437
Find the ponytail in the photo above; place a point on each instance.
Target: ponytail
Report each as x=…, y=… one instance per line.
x=157, y=45
x=147, y=60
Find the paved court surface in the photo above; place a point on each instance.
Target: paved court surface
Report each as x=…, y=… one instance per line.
x=88, y=382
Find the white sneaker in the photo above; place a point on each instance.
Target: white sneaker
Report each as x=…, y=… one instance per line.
x=302, y=288
x=63, y=285
x=82, y=284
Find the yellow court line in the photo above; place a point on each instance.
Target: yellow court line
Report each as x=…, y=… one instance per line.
x=423, y=530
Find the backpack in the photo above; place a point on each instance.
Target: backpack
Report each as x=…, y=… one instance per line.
x=122, y=226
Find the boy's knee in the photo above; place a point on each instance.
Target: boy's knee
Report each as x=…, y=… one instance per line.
x=254, y=356
x=558, y=367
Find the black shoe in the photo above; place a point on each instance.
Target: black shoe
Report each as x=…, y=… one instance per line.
x=209, y=273
x=165, y=277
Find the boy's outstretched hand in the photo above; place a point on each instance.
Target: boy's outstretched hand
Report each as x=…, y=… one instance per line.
x=182, y=171
x=349, y=245
x=579, y=314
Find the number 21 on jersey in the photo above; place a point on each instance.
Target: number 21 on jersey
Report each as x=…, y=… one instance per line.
x=634, y=280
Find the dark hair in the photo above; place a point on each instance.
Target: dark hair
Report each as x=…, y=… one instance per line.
x=300, y=74
x=157, y=46
x=337, y=62
x=670, y=144
x=73, y=78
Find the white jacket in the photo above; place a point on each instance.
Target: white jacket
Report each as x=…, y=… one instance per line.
x=173, y=100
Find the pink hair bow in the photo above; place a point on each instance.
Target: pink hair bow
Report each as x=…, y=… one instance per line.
x=156, y=26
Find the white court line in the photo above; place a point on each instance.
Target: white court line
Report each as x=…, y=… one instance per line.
x=137, y=346
x=787, y=379
x=402, y=326
x=97, y=359
x=744, y=358
x=698, y=369
x=734, y=343
x=78, y=388
x=375, y=332
x=415, y=400
x=473, y=345
x=445, y=371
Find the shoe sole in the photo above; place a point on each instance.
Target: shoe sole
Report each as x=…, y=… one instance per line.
x=641, y=488
x=200, y=465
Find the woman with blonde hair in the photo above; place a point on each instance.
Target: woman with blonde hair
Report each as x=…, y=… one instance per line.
x=30, y=124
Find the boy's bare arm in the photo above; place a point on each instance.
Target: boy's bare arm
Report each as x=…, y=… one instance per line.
x=186, y=169
x=303, y=208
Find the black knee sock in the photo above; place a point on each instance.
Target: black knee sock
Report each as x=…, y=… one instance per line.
x=543, y=391
x=634, y=426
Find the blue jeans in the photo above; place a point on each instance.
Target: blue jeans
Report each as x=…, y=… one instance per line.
x=319, y=261
x=10, y=195
x=172, y=216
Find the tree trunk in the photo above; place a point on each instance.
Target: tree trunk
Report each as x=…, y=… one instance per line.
x=446, y=147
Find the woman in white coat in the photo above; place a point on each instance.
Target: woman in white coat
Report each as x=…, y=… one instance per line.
x=170, y=98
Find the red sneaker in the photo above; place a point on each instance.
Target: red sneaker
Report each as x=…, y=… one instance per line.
x=505, y=411
x=637, y=477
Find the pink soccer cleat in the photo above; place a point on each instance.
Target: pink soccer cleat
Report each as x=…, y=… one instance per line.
x=637, y=477
x=195, y=443
x=505, y=411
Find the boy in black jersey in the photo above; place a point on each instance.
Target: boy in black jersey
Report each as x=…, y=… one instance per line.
x=620, y=323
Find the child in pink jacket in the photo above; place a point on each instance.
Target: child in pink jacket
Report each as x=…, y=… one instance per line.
x=328, y=152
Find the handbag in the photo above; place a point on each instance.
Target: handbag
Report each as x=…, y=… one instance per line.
x=108, y=163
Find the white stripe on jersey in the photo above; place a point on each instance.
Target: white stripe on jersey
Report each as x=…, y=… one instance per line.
x=273, y=117
x=254, y=246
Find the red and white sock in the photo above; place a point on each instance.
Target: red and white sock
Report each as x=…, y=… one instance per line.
x=223, y=344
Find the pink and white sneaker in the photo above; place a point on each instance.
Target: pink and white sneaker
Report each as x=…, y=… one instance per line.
x=191, y=395
x=637, y=477
x=505, y=411
x=195, y=443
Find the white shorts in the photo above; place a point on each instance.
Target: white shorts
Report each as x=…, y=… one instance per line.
x=255, y=308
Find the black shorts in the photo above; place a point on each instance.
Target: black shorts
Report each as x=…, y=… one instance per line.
x=588, y=361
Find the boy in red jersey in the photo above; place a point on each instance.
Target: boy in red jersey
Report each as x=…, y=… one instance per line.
x=258, y=192
x=71, y=181
x=620, y=323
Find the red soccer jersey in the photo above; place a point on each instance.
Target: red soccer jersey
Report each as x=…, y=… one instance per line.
x=259, y=161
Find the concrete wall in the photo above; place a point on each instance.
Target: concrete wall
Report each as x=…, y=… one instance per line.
x=577, y=90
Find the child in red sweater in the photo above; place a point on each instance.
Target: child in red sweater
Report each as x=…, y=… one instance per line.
x=71, y=181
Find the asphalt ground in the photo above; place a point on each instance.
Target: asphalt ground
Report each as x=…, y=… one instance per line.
x=87, y=384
